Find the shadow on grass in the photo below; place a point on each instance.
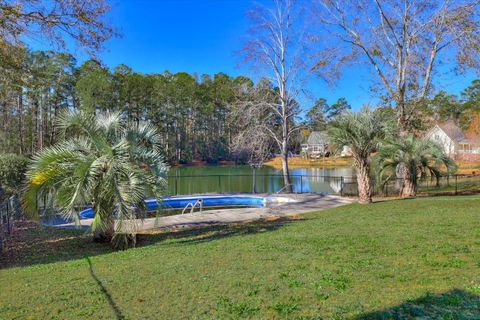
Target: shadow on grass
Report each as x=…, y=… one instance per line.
x=33, y=243
x=108, y=296
x=453, y=304
x=198, y=234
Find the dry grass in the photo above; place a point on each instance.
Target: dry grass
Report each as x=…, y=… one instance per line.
x=468, y=167
x=298, y=163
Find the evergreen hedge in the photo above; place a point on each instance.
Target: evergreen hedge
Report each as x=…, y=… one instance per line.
x=12, y=173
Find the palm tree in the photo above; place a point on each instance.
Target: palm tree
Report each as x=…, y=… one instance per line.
x=362, y=132
x=414, y=158
x=105, y=162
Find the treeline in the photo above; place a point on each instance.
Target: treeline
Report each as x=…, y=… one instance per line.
x=193, y=113
x=463, y=109
x=197, y=116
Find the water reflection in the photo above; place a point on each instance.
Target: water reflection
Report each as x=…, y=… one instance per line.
x=206, y=179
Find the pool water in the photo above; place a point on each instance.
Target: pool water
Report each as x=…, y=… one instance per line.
x=208, y=201
x=175, y=204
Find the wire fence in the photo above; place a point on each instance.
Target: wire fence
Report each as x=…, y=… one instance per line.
x=9, y=212
x=444, y=185
x=258, y=183
x=338, y=185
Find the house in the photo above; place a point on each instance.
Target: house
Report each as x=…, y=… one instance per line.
x=455, y=142
x=316, y=145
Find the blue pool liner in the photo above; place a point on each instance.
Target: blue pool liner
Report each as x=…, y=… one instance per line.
x=153, y=204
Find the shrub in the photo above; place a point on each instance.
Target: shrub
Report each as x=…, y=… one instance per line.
x=12, y=173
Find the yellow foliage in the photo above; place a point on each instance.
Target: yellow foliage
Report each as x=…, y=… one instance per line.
x=40, y=177
x=297, y=162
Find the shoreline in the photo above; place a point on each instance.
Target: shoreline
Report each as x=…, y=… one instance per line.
x=302, y=163
x=275, y=163
x=464, y=168
x=203, y=164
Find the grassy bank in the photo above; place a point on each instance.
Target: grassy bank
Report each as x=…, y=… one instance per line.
x=468, y=167
x=298, y=163
x=390, y=260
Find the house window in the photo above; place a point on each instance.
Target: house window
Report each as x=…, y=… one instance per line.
x=475, y=148
x=467, y=148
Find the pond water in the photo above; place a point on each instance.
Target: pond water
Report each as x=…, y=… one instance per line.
x=224, y=179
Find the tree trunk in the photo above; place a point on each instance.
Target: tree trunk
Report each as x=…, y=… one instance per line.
x=408, y=188
x=363, y=182
x=254, y=187
x=20, y=122
x=105, y=234
x=402, y=118
x=286, y=172
x=40, y=122
x=3, y=129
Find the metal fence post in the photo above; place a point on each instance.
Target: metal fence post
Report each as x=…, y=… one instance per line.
x=341, y=186
x=2, y=235
x=9, y=231
x=456, y=184
x=301, y=184
x=219, y=185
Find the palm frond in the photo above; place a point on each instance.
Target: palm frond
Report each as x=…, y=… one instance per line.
x=421, y=156
x=105, y=162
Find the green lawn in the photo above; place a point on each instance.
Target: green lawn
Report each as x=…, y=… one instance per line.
x=389, y=260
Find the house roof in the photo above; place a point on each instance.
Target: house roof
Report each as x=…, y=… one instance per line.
x=317, y=138
x=452, y=130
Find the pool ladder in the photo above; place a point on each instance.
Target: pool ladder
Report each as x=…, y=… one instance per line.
x=192, y=206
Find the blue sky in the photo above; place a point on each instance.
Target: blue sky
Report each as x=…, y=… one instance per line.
x=202, y=36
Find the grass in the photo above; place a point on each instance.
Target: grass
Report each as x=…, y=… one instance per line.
x=468, y=167
x=298, y=163
x=389, y=260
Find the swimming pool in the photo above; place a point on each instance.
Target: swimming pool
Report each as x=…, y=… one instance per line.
x=208, y=201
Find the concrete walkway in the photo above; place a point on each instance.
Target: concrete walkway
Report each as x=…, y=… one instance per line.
x=303, y=203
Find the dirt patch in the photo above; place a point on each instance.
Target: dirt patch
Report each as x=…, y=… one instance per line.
x=32, y=242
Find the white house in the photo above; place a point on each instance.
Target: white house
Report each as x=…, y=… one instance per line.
x=316, y=145
x=456, y=144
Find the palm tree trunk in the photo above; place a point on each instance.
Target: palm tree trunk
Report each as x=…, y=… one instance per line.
x=408, y=188
x=105, y=234
x=363, y=181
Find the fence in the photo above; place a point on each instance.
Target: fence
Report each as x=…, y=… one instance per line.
x=264, y=183
x=431, y=186
x=9, y=212
x=344, y=185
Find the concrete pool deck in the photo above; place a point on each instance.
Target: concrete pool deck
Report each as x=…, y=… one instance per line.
x=303, y=203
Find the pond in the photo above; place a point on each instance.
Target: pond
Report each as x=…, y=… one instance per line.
x=224, y=179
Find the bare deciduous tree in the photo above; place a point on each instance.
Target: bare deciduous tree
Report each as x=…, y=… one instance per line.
x=275, y=48
x=253, y=145
x=81, y=20
x=404, y=41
